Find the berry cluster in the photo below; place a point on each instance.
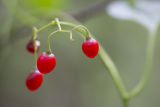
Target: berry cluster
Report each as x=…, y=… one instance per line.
x=46, y=62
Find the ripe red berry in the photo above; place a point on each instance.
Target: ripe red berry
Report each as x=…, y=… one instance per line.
x=46, y=63
x=90, y=47
x=30, y=46
x=34, y=80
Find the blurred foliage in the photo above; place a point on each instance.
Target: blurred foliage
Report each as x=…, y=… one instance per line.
x=42, y=6
x=18, y=15
x=77, y=81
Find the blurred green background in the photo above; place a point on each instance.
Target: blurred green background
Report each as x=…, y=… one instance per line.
x=77, y=81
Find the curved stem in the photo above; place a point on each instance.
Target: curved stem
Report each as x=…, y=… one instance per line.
x=148, y=65
x=87, y=31
x=109, y=65
x=106, y=60
x=80, y=30
x=46, y=26
x=51, y=34
x=48, y=40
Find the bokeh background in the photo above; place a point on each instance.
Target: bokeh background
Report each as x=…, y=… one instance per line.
x=77, y=81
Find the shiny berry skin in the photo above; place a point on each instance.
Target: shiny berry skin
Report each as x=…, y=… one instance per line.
x=30, y=46
x=46, y=63
x=90, y=47
x=34, y=80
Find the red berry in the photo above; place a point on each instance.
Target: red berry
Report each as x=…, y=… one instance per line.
x=90, y=48
x=46, y=63
x=30, y=46
x=34, y=80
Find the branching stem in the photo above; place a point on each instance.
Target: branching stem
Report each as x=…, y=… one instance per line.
x=106, y=60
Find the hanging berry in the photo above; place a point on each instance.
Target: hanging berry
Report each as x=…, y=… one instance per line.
x=33, y=45
x=90, y=47
x=34, y=80
x=46, y=63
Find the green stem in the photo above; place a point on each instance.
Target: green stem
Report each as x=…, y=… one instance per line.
x=52, y=34
x=48, y=41
x=109, y=65
x=79, y=29
x=148, y=65
x=86, y=30
x=46, y=26
x=35, y=52
x=35, y=58
x=126, y=103
x=58, y=24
